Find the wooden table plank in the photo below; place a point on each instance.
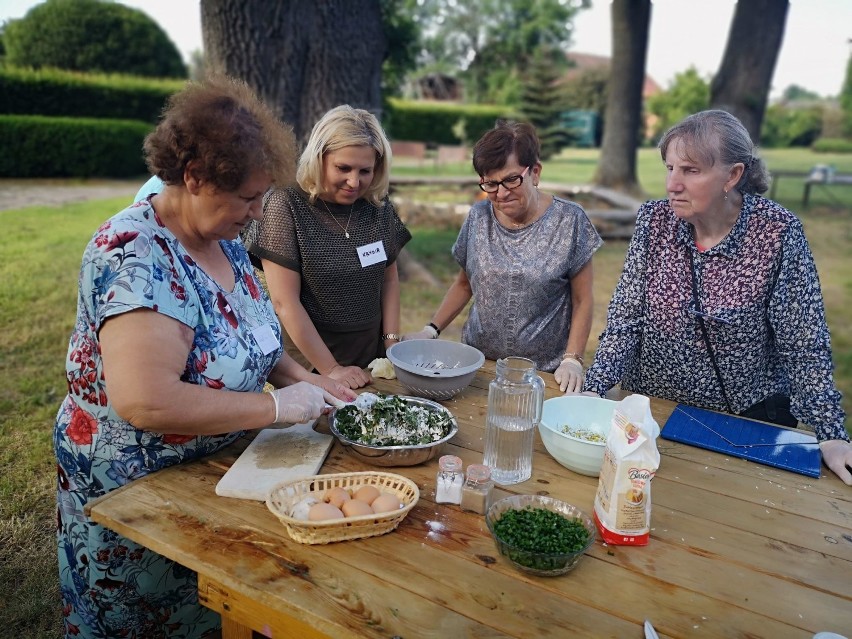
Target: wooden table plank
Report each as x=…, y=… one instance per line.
x=730, y=540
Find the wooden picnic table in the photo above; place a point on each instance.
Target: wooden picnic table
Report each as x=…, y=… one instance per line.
x=737, y=549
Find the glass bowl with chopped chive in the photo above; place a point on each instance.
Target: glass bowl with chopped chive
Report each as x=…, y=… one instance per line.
x=540, y=535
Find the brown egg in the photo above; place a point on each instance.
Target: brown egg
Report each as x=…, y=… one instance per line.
x=386, y=503
x=366, y=494
x=356, y=507
x=323, y=511
x=336, y=496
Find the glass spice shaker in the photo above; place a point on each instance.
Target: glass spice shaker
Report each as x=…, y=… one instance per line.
x=476, y=492
x=448, y=487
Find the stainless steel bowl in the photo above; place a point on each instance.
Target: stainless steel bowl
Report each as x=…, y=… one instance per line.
x=397, y=455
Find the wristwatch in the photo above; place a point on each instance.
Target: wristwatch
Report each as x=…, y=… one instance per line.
x=393, y=336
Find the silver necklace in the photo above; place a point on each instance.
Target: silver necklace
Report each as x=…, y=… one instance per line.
x=348, y=219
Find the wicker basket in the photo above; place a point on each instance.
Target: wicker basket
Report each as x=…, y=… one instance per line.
x=284, y=496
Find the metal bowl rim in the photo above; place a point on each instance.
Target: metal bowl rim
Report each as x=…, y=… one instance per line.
x=426, y=403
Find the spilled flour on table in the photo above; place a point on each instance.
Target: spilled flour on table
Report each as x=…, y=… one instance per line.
x=273, y=452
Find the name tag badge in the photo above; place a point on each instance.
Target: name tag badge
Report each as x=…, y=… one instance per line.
x=265, y=338
x=370, y=254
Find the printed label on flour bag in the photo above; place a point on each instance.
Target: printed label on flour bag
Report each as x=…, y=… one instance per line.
x=623, y=500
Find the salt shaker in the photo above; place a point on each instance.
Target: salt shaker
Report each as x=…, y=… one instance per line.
x=476, y=492
x=515, y=399
x=449, y=480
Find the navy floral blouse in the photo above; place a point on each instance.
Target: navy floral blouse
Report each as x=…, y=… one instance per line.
x=763, y=309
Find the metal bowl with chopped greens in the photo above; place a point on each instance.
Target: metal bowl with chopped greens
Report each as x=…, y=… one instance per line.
x=397, y=430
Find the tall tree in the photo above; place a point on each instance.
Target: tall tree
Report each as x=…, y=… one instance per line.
x=616, y=169
x=741, y=86
x=301, y=57
x=846, y=100
x=93, y=36
x=687, y=94
x=542, y=101
x=492, y=41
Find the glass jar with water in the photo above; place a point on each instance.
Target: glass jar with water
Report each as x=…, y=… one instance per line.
x=515, y=398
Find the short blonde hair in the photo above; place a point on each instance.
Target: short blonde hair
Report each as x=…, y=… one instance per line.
x=345, y=126
x=226, y=130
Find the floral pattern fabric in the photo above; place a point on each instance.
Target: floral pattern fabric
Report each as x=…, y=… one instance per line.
x=760, y=297
x=110, y=586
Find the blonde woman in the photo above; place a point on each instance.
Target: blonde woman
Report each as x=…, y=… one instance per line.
x=328, y=248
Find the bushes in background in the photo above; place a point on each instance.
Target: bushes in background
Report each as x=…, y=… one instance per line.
x=832, y=145
x=39, y=146
x=65, y=93
x=440, y=123
x=92, y=36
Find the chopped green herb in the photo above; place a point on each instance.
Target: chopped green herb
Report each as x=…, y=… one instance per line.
x=538, y=530
x=392, y=421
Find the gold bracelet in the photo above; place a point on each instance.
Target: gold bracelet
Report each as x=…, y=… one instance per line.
x=576, y=356
x=392, y=336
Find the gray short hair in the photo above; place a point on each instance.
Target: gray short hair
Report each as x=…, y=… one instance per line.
x=716, y=135
x=340, y=127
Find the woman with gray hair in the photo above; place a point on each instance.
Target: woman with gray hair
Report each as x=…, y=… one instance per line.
x=328, y=248
x=719, y=303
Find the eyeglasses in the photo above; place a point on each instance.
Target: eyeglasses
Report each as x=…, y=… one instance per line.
x=510, y=183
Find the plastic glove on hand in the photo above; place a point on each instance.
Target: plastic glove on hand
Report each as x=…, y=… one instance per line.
x=300, y=402
x=427, y=333
x=569, y=376
x=837, y=455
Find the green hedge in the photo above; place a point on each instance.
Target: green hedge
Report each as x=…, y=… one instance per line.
x=69, y=94
x=832, y=145
x=38, y=146
x=440, y=123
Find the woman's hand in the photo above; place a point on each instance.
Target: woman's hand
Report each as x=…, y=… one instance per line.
x=569, y=375
x=340, y=392
x=837, y=455
x=428, y=332
x=302, y=402
x=352, y=376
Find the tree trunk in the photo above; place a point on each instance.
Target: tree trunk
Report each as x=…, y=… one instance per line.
x=623, y=117
x=742, y=84
x=303, y=58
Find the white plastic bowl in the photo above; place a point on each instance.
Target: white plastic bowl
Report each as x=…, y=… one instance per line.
x=577, y=411
x=435, y=368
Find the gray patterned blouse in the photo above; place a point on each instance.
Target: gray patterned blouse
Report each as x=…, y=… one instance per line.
x=521, y=280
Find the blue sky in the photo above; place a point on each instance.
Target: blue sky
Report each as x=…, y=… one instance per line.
x=684, y=33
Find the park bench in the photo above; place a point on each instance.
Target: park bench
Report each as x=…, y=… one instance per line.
x=825, y=177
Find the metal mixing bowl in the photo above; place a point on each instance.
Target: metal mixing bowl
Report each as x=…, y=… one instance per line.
x=397, y=455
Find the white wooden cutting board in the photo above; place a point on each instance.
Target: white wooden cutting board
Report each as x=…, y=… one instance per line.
x=275, y=455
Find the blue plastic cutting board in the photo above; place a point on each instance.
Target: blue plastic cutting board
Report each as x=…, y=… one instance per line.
x=763, y=443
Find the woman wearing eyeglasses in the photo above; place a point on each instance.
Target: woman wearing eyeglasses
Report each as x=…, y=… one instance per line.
x=719, y=303
x=526, y=261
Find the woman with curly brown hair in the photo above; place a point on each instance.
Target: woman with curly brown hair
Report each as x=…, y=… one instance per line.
x=173, y=343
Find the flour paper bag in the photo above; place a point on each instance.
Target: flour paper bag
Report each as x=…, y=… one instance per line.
x=623, y=500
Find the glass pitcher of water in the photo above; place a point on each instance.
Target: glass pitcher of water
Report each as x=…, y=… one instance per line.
x=515, y=398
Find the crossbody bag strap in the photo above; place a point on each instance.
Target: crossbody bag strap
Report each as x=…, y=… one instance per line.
x=704, y=334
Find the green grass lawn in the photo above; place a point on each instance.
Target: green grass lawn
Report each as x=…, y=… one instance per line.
x=39, y=260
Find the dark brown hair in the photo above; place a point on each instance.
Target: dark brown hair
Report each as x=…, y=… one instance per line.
x=226, y=131
x=494, y=148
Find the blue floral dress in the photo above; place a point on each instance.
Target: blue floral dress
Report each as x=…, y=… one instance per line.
x=110, y=586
